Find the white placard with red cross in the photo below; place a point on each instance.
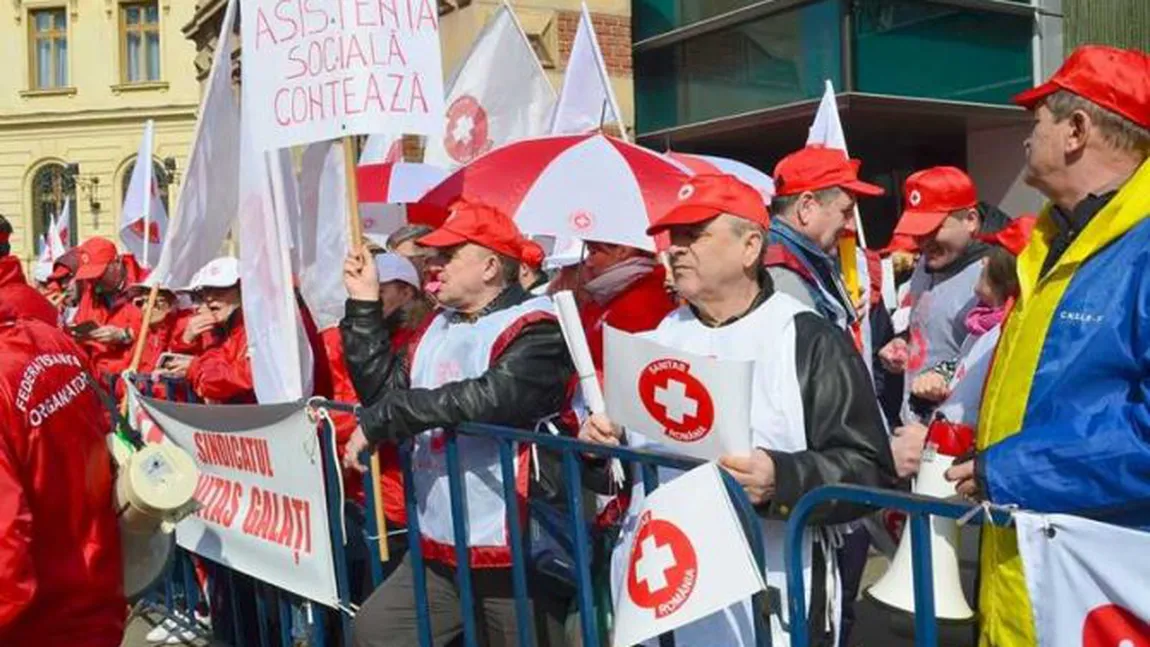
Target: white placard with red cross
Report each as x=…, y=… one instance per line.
x=1087, y=580
x=694, y=405
x=689, y=558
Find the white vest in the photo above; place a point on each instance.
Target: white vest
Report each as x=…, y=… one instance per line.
x=766, y=336
x=969, y=378
x=450, y=352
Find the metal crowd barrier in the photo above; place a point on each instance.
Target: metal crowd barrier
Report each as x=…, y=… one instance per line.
x=919, y=509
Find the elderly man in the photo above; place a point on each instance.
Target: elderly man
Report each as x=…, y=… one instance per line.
x=491, y=354
x=1065, y=415
x=814, y=417
x=106, y=322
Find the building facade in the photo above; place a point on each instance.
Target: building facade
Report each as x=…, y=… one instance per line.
x=919, y=82
x=83, y=77
x=549, y=24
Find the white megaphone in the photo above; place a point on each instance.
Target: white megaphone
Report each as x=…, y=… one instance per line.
x=895, y=589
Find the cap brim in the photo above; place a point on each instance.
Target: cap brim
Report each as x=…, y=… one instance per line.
x=685, y=215
x=1031, y=97
x=442, y=238
x=89, y=272
x=919, y=223
x=859, y=187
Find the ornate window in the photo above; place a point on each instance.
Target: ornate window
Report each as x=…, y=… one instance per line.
x=48, y=41
x=139, y=42
x=53, y=188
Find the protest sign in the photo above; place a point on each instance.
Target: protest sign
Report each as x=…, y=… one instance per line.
x=261, y=487
x=324, y=69
x=688, y=559
x=693, y=405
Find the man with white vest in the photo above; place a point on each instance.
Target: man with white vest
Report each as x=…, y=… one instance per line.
x=491, y=354
x=814, y=417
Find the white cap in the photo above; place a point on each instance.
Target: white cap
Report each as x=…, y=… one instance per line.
x=223, y=272
x=393, y=267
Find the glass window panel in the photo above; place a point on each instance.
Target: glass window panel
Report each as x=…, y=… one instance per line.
x=61, y=62
x=768, y=62
x=913, y=48
x=654, y=17
x=152, y=14
x=43, y=20
x=153, y=51
x=43, y=63
x=132, y=15
x=133, y=56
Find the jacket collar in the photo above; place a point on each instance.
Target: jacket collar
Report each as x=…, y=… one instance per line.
x=766, y=289
x=975, y=251
x=824, y=268
x=1129, y=206
x=512, y=295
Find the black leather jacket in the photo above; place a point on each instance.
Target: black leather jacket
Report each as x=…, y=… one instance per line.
x=527, y=382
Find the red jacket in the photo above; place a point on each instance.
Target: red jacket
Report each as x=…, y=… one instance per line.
x=222, y=374
x=638, y=308
x=391, y=476
x=14, y=290
x=105, y=310
x=60, y=570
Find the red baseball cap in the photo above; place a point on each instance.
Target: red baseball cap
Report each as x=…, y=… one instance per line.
x=817, y=167
x=96, y=254
x=931, y=195
x=706, y=196
x=533, y=254
x=480, y=224
x=1116, y=79
x=1013, y=237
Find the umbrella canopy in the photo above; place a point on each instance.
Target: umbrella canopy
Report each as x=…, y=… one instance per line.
x=700, y=164
x=389, y=195
x=590, y=187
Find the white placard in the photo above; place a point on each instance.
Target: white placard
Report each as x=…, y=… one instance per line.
x=689, y=559
x=697, y=406
x=262, y=490
x=322, y=69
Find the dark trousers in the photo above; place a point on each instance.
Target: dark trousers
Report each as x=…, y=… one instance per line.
x=852, y=561
x=388, y=617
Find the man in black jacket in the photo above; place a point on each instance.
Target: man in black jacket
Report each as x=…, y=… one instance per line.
x=491, y=354
x=814, y=417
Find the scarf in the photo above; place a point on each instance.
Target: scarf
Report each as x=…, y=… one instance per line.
x=830, y=295
x=983, y=317
x=618, y=277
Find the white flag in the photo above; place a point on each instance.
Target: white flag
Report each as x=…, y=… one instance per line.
x=587, y=100
x=382, y=148
x=827, y=130
x=44, y=252
x=688, y=559
x=143, y=208
x=498, y=95
x=694, y=405
x=1087, y=581
x=59, y=234
x=210, y=192
x=281, y=361
x=322, y=240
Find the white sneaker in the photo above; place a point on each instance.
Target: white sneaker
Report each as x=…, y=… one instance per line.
x=169, y=632
x=161, y=632
x=182, y=636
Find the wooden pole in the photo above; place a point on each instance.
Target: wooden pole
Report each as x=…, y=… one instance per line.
x=141, y=339
x=355, y=242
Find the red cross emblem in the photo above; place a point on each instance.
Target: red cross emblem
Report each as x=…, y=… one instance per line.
x=677, y=400
x=582, y=221
x=1113, y=626
x=368, y=223
x=467, y=136
x=663, y=567
x=917, y=349
x=137, y=228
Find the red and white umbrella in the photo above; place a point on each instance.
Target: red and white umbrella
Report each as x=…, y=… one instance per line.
x=589, y=187
x=389, y=195
x=700, y=164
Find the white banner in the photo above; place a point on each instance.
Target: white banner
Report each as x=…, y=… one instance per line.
x=321, y=239
x=1087, y=581
x=208, y=198
x=262, y=490
x=693, y=405
x=325, y=69
x=499, y=94
x=59, y=236
x=689, y=559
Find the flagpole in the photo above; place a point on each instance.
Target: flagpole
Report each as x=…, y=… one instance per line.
x=141, y=338
x=355, y=228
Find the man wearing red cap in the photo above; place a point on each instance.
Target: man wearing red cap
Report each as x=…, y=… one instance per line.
x=814, y=417
x=941, y=214
x=491, y=354
x=61, y=579
x=14, y=288
x=1065, y=414
x=104, y=276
